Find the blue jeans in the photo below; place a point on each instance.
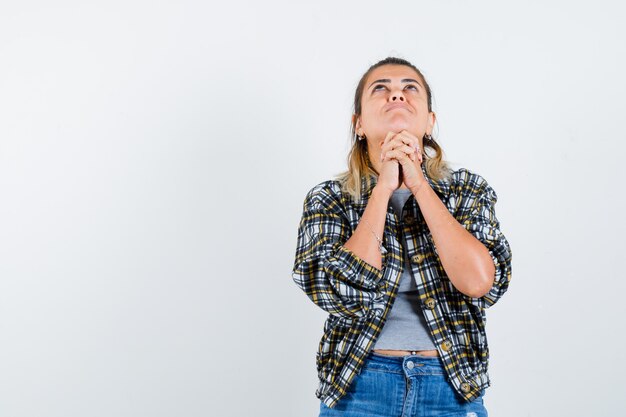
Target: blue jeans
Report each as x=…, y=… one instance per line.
x=391, y=386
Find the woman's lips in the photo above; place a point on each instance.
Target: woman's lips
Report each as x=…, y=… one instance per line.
x=397, y=106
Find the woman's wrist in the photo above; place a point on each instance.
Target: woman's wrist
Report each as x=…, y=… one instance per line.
x=382, y=192
x=420, y=187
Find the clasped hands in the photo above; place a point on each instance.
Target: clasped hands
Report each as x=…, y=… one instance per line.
x=401, y=160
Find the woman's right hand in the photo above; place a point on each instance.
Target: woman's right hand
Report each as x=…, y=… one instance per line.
x=390, y=176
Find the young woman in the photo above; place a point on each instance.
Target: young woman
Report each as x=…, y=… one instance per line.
x=405, y=255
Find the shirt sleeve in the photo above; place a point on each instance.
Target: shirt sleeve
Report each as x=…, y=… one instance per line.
x=333, y=277
x=477, y=214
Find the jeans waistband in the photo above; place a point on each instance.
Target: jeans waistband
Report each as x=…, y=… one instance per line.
x=409, y=364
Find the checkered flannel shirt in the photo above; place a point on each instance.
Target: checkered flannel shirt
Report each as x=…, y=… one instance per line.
x=358, y=296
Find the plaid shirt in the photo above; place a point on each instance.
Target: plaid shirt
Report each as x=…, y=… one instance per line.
x=358, y=297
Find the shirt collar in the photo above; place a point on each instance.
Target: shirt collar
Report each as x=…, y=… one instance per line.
x=441, y=187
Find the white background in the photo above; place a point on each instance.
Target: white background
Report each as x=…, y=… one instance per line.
x=154, y=157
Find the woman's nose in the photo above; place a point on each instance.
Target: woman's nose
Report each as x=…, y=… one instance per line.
x=396, y=96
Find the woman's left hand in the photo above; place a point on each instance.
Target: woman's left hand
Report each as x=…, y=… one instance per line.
x=404, y=147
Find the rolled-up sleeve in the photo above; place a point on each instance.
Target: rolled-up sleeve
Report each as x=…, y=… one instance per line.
x=332, y=276
x=477, y=214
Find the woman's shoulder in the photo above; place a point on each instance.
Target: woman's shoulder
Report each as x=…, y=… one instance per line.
x=462, y=176
x=330, y=186
x=464, y=181
x=323, y=192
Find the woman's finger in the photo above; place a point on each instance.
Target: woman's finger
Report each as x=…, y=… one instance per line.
x=400, y=140
x=407, y=150
x=409, y=139
x=401, y=147
x=397, y=144
x=395, y=154
x=389, y=136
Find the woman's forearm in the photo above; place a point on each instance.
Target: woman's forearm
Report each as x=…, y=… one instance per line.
x=362, y=242
x=464, y=258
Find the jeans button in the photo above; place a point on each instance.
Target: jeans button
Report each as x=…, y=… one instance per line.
x=410, y=365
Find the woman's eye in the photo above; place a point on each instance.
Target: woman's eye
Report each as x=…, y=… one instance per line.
x=376, y=87
x=411, y=86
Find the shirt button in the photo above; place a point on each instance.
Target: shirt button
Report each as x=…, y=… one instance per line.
x=416, y=259
x=465, y=387
x=446, y=345
x=430, y=303
x=410, y=365
x=409, y=220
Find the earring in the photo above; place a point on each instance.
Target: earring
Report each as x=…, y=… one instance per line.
x=428, y=137
x=360, y=137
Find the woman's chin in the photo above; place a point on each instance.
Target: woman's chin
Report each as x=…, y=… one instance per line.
x=397, y=127
x=398, y=123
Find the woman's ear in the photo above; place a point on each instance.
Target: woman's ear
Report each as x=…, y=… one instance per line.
x=431, y=121
x=357, y=125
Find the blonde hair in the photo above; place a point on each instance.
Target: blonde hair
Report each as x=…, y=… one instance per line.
x=359, y=164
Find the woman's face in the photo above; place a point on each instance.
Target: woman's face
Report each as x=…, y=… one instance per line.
x=393, y=100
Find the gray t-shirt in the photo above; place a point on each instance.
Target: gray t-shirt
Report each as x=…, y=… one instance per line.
x=405, y=327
